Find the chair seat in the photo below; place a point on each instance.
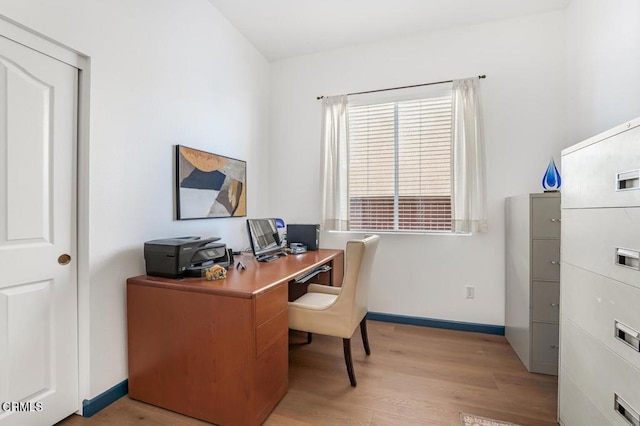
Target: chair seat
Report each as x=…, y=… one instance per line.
x=337, y=311
x=315, y=301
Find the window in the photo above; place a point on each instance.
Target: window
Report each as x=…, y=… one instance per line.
x=404, y=163
x=400, y=165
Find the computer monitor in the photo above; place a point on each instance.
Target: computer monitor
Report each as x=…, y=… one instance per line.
x=263, y=237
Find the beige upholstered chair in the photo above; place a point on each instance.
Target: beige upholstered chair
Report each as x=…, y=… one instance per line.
x=337, y=311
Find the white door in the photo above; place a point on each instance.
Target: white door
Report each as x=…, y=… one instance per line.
x=38, y=292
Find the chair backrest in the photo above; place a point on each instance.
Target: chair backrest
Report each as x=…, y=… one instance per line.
x=359, y=257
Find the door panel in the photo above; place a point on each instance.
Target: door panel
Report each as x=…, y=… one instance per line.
x=38, y=296
x=27, y=326
x=28, y=136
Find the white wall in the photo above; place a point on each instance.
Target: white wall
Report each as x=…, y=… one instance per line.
x=603, y=45
x=163, y=72
x=524, y=110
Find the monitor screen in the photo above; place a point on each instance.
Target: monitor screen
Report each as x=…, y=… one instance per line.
x=263, y=236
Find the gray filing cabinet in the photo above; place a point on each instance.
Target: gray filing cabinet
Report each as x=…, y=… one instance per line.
x=532, y=288
x=599, y=381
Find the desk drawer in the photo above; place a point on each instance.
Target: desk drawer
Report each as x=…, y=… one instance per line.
x=593, y=239
x=592, y=176
x=272, y=376
x=270, y=303
x=269, y=332
x=596, y=303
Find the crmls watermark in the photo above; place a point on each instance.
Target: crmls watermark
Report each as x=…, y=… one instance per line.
x=21, y=406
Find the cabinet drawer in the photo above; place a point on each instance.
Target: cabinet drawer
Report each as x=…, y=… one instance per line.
x=593, y=238
x=574, y=407
x=544, y=345
x=596, y=302
x=545, y=217
x=545, y=301
x=545, y=260
x=600, y=373
x=271, y=331
x=590, y=173
x=270, y=303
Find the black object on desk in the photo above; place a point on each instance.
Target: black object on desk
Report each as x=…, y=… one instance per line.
x=183, y=256
x=307, y=235
x=270, y=257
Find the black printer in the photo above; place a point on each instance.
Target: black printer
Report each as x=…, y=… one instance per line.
x=184, y=256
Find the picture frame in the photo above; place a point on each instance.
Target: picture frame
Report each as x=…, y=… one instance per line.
x=209, y=185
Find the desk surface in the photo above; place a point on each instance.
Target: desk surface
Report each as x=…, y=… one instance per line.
x=251, y=282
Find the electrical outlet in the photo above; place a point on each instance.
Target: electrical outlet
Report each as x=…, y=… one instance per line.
x=471, y=291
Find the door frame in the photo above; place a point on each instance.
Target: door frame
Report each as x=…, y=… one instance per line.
x=34, y=40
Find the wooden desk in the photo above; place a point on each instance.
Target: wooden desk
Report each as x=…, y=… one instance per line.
x=217, y=350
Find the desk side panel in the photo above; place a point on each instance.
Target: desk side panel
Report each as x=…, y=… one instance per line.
x=191, y=352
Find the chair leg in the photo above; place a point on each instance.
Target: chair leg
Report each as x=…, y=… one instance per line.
x=346, y=343
x=365, y=337
x=309, y=337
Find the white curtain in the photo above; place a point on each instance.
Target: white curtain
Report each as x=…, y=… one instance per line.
x=334, y=165
x=469, y=175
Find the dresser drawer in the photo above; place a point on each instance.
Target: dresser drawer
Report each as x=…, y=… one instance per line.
x=271, y=303
x=545, y=260
x=596, y=303
x=593, y=239
x=545, y=301
x=593, y=174
x=545, y=217
x=600, y=373
x=574, y=407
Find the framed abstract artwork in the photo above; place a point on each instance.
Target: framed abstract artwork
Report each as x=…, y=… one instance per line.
x=209, y=185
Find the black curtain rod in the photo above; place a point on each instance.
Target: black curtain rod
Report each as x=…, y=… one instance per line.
x=401, y=87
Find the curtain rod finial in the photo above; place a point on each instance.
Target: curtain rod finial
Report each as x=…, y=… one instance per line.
x=482, y=76
x=319, y=97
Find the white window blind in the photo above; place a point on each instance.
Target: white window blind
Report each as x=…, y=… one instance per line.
x=400, y=165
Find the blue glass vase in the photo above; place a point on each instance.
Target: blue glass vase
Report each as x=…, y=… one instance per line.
x=551, y=180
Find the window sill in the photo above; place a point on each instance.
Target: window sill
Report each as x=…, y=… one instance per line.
x=430, y=233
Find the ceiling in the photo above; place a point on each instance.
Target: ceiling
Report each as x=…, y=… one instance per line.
x=286, y=28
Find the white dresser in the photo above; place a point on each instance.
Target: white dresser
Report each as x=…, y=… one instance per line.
x=532, y=275
x=599, y=380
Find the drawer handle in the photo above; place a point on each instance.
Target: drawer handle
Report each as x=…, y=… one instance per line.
x=555, y=262
x=628, y=258
x=627, y=335
x=624, y=409
x=556, y=220
x=628, y=180
x=555, y=305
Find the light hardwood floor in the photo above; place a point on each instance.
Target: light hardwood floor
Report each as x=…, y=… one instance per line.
x=414, y=376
